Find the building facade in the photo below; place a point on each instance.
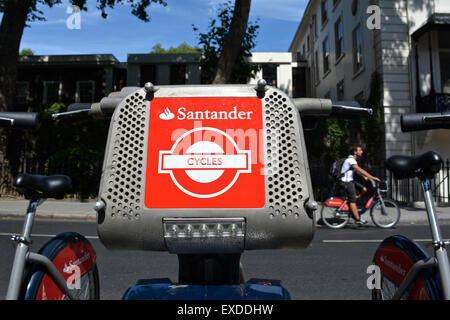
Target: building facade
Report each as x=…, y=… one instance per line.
x=44, y=80
x=163, y=69
x=343, y=43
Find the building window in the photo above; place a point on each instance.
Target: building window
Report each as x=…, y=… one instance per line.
x=340, y=91
x=52, y=92
x=326, y=55
x=22, y=92
x=355, y=7
x=360, y=99
x=357, y=49
x=444, y=60
x=148, y=74
x=314, y=25
x=177, y=74
x=85, y=91
x=339, y=38
x=270, y=74
x=324, y=11
x=316, y=67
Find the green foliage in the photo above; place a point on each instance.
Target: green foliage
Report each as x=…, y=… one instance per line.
x=374, y=126
x=182, y=48
x=139, y=8
x=213, y=41
x=336, y=135
x=26, y=52
x=79, y=161
x=70, y=147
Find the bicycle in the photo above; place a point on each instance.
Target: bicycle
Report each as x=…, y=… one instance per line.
x=385, y=213
x=65, y=267
x=180, y=211
x=406, y=271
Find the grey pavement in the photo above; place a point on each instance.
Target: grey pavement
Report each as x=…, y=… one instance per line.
x=70, y=209
x=50, y=209
x=414, y=215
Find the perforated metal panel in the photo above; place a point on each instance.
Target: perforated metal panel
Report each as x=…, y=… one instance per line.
x=123, y=175
x=129, y=222
x=284, y=150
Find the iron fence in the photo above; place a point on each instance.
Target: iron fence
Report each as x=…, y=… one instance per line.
x=409, y=191
x=6, y=181
x=405, y=192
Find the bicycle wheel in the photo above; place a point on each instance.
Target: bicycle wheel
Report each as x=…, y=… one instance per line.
x=74, y=257
x=387, y=218
x=395, y=256
x=331, y=216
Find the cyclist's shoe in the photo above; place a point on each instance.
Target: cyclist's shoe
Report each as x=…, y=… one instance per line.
x=361, y=222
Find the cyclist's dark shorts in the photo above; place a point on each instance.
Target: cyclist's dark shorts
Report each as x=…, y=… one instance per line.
x=350, y=189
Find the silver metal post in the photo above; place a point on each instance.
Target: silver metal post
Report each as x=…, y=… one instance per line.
x=15, y=281
x=439, y=246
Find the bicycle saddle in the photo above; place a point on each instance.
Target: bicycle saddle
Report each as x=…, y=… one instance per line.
x=55, y=186
x=404, y=167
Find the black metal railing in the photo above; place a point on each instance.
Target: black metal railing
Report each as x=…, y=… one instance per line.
x=409, y=191
x=435, y=102
x=405, y=192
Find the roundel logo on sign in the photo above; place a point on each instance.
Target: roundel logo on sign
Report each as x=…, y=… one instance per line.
x=204, y=170
x=204, y=153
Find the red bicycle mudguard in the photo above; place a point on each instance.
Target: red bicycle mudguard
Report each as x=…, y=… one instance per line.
x=336, y=202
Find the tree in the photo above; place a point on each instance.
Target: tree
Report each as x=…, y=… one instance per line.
x=26, y=52
x=227, y=43
x=16, y=14
x=182, y=48
x=233, y=41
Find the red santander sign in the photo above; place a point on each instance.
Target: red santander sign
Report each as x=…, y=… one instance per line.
x=205, y=153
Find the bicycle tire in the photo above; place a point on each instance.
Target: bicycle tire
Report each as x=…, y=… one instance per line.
x=66, y=250
x=395, y=256
x=389, y=218
x=331, y=218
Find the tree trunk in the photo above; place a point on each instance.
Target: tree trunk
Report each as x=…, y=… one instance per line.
x=11, y=30
x=230, y=52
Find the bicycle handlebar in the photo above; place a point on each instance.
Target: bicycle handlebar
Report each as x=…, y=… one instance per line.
x=305, y=106
x=325, y=107
x=343, y=109
x=103, y=109
x=425, y=121
x=22, y=120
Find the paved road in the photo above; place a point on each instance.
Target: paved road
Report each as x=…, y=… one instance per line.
x=74, y=210
x=332, y=267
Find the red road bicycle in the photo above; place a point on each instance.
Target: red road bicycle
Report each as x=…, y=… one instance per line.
x=385, y=213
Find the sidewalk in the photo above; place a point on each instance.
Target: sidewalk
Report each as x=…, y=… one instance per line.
x=410, y=215
x=50, y=209
x=75, y=210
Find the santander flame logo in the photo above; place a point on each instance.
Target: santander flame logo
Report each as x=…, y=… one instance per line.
x=167, y=115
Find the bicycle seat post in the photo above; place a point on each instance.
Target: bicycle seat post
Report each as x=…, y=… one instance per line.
x=23, y=243
x=439, y=246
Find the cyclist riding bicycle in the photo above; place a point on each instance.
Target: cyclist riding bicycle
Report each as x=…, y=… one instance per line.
x=347, y=181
